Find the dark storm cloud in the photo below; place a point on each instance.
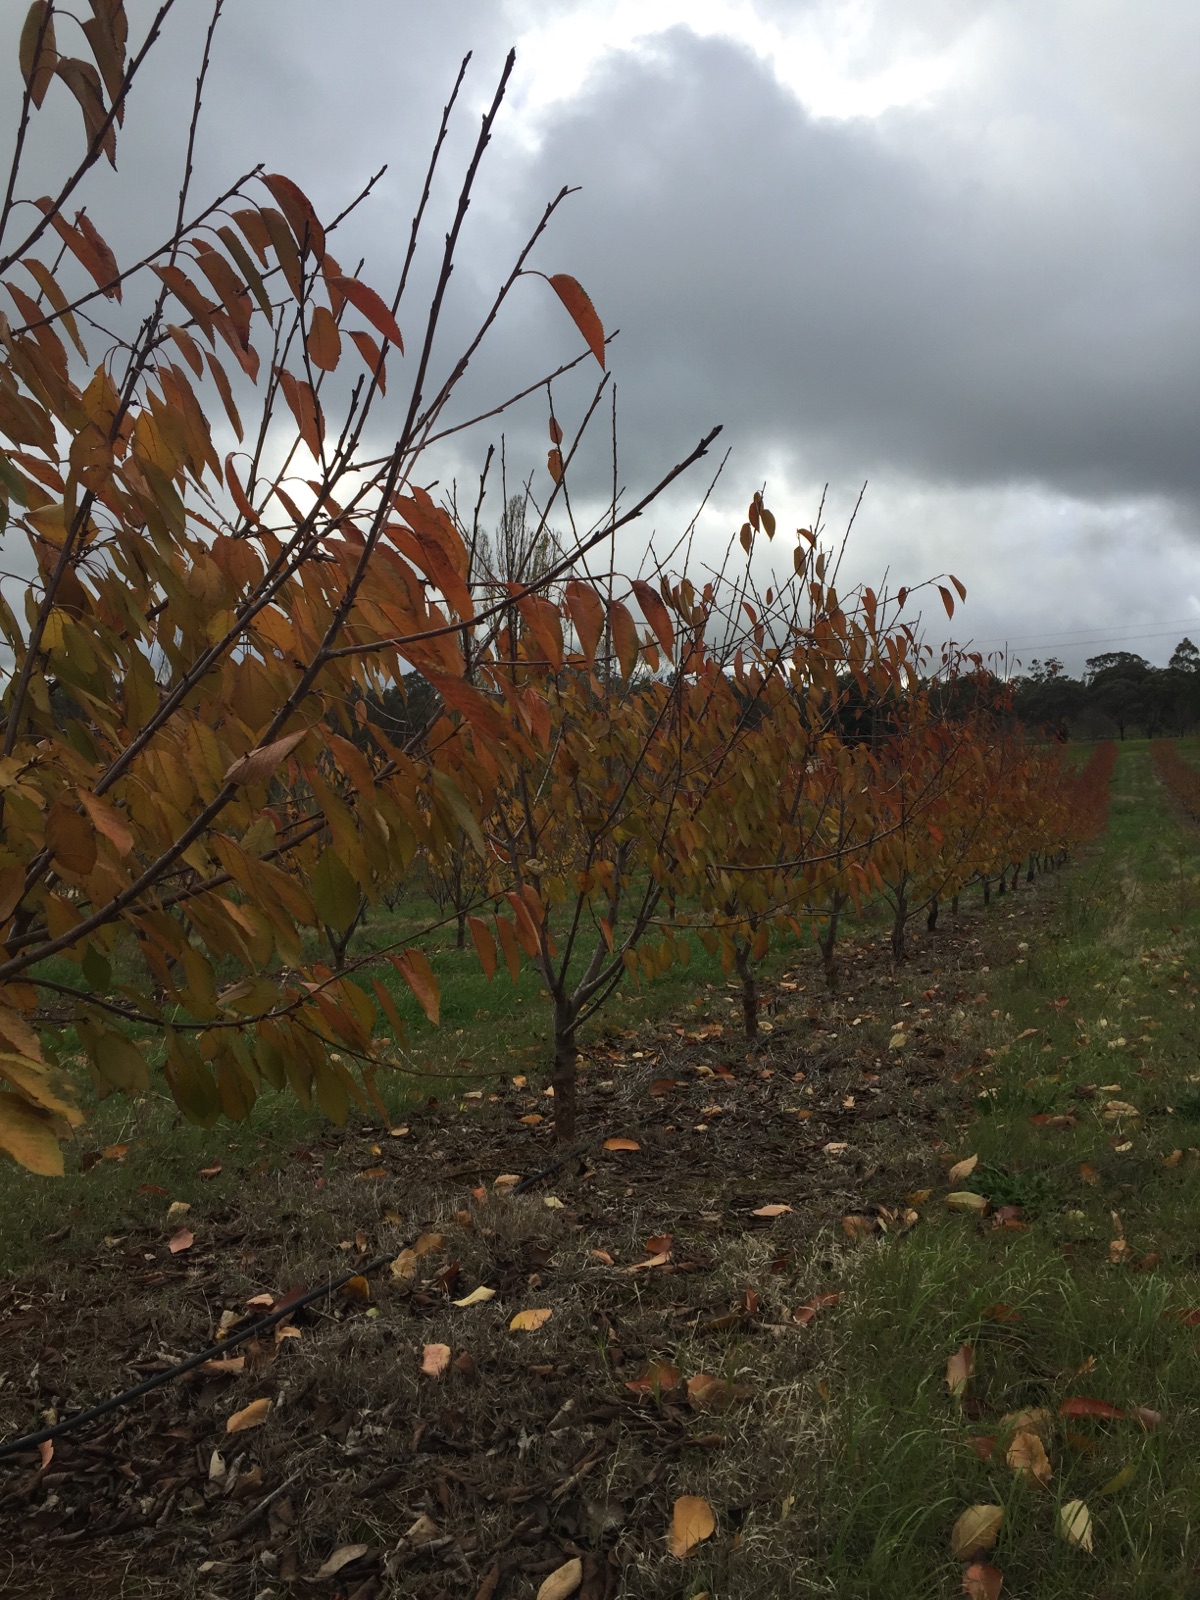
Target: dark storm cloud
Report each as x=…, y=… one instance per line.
x=829, y=290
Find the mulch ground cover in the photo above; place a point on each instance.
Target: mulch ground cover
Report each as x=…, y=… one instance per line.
x=683, y=1269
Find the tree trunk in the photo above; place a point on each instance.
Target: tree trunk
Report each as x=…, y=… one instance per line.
x=954, y=906
x=898, y=926
x=745, y=971
x=1029, y=876
x=987, y=892
x=562, y=1078
x=460, y=931
x=931, y=918
x=829, y=941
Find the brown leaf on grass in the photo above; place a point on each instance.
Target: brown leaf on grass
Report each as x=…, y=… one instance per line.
x=357, y=1288
x=423, y=1531
x=251, y=1416
x=658, y=1375
x=967, y=1200
x=660, y=1260
x=342, y=1557
x=977, y=1529
x=211, y=1172
x=1027, y=1457
x=621, y=1144
x=771, y=1211
x=181, y=1241
x=435, y=1358
x=692, y=1522
x=602, y=1255
x=1089, y=1174
x=1148, y=1419
x=1035, y=1419
x=857, y=1228
x=983, y=1445
x=506, y=1180
x=530, y=1321
x=963, y=1169
x=1082, y=1406
x=224, y=1366
x=958, y=1370
x=658, y=1242
x=1001, y=1312
x=1075, y=1524
x=804, y=1314
x=706, y=1393
x=982, y=1581
x=563, y=1581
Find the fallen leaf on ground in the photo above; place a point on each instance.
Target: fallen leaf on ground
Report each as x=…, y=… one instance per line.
x=1002, y=1312
x=1036, y=1419
x=476, y=1297
x=804, y=1314
x=982, y=1581
x=1075, y=1524
x=692, y=1522
x=357, y=1288
x=530, y=1321
x=423, y=1531
x=1081, y=1406
x=967, y=1200
x=983, y=1445
x=1027, y=1457
x=658, y=1242
x=506, y=1180
x=977, y=1529
x=963, y=1169
x=959, y=1369
x=1089, y=1174
x=435, y=1359
x=621, y=1144
x=706, y=1393
x=1120, y=1481
x=658, y=1375
x=660, y=1260
x=563, y=1581
x=857, y=1228
x=1148, y=1419
x=771, y=1211
x=178, y=1208
x=251, y=1416
x=181, y=1241
x=342, y=1557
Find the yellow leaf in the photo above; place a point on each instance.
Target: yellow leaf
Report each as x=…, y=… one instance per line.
x=251, y=1416
x=1075, y=1524
x=977, y=1529
x=963, y=1169
x=621, y=1144
x=476, y=1297
x=692, y=1522
x=965, y=1200
x=959, y=1369
x=530, y=1321
x=1027, y=1457
x=28, y=1137
x=563, y=1581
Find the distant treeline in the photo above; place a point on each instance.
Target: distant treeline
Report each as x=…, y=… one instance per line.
x=1120, y=695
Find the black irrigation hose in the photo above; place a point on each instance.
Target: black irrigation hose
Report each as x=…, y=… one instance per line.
x=15, y=1447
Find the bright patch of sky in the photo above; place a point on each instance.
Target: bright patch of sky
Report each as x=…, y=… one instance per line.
x=835, y=59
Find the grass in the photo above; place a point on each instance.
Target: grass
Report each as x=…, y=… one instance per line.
x=1103, y=1010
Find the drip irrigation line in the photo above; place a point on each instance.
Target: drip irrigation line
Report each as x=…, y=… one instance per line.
x=286, y=1308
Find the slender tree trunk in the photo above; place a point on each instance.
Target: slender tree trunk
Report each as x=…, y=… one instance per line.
x=562, y=1077
x=898, y=926
x=745, y=971
x=931, y=918
x=987, y=891
x=1030, y=874
x=829, y=941
x=460, y=930
x=954, y=906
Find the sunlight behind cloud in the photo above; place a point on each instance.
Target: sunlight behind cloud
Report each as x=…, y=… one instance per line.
x=839, y=60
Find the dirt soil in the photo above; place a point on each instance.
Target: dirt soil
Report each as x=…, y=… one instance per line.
x=685, y=1321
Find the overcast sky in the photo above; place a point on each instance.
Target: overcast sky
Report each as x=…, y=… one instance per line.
x=951, y=250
